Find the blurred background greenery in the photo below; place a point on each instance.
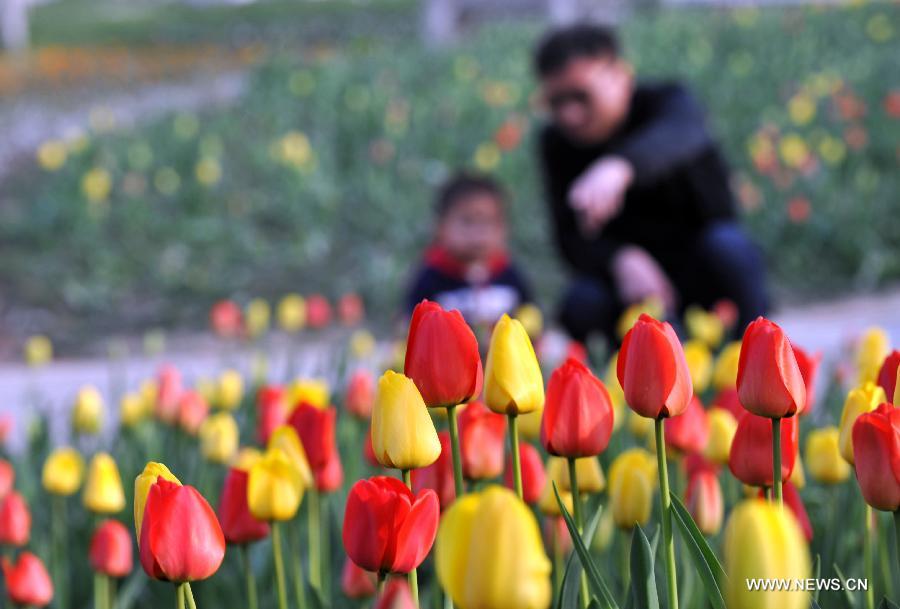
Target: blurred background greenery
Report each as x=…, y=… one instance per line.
x=319, y=176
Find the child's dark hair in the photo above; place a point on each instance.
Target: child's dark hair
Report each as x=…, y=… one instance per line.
x=561, y=46
x=463, y=185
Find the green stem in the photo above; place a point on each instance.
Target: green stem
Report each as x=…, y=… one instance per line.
x=413, y=575
x=776, y=462
x=60, y=550
x=189, y=595
x=514, y=450
x=279, y=565
x=867, y=559
x=666, y=513
x=100, y=594
x=455, y=450
x=579, y=523
x=250, y=578
x=315, y=544
x=179, y=596
x=380, y=587
x=296, y=562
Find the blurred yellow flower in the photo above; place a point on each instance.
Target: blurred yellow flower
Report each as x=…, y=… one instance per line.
x=246, y=457
x=229, y=390
x=640, y=427
x=291, y=313
x=219, y=436
x=63, y=472
x=616, y=395
x=531, y=318
x=722, y=427
x=96, y=185
x=133, y=409
x=793, y=150
x=362, y=343
x=802, y=108
x=861, y=400
x=294, y=150
x=487, y=156
x=51, y=155
x=285, y=438
x=880, y=28
x=208, y=171
x=257, y=317
x=823, y=456
x=103, y=492
x=700, y=364
x=587, y=469
x=87, y=415
x=651, y=306
x=274, y=487
x=38, y=350
x=314, y=392
x=632, y=483
x=726, y=367
x=832, y=150
x=206, y=387
x=167, y=181
x=871, y=350
x=704, y=326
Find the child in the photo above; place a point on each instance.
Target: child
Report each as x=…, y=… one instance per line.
x=467, y=266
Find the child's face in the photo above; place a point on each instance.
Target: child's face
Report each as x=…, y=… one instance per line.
x=473, y=228
x=589, y=98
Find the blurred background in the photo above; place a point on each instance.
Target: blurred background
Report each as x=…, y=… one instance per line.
x=160, y=156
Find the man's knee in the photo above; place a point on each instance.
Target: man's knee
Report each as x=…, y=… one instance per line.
x=727, y=244
x=588, y=306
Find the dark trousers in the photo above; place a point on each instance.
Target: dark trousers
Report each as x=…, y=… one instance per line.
x=719, y=262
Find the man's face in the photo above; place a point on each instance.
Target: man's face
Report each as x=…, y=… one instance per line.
x=589, y=97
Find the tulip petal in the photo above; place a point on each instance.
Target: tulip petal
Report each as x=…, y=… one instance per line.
x=416, y=535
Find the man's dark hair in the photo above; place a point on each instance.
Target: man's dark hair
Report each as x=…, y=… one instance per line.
x=463, y=185
x=563, y=45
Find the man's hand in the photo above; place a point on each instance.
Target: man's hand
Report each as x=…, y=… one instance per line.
x=597, y=195
x=638, y=276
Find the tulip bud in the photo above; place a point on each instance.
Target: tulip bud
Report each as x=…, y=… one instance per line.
x=15, y=520
x=762, y=541
x=769, y=381
x=703, y=499
x=704, y=326
x=700, y=364
x=489, y=553
x=403, y=434
x=351, y=309
x=309, y=391
x=360, y=394
x=860, y=400
x=356, y=583
x=38, y=350
x=257, y=315
x=27, y=581
x=725, y=370
x=751, y=450
x=87, y=416
x=152, y=473
x=330, y=477
x=103, y=492
x=722, y=427
x=871, y=350
x=132, y=410
x=578, y=416
x=238, y=524
x=442, y=336
x=534, y=478
x=285, y=438
x=271, y=408
x=7, y=477
x=110, y=550
x=316, y=429
x=809, y=368
x=291, y=313
x=63, y=472
x=192, y=411
x=229, y=390
x=219, y=438
x=887, y=375
x=318, y=311
x=513, y=384
x=823, y=456
x=168, y=394
x=876, y=451
x=688, y=432
x=274, y=487
x=386, y=527
x=652, y=370
x=482, y=433
x=632, y=483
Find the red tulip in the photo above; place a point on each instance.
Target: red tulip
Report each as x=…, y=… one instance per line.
x=876, y=451
x=318, y=311
x=355, y=582
x=351, y=309
x=7, y=477
x=271, y=411
x=481, y=434
x=534, y=477
x=192, y=411
x=729, y=400
x=809, y=368
x=361, y=394
x=439, y=475
x=652, y=370
x=227, y=319
x=27, y=581
x=396, y=595
x=769, y=381
x=386, y=527
x=695, y=463
x=751, y=450
x=168, y=393
x=238, y=524
x=181, y=539
x=578, y=413
x=793, y=500
x=369, y=453
x=703, y=499
x=330, y=477
x=442, y=356
x=315, y=426
x=689, y=431
x=110, y=551
x=556, y=535
x=15, y=520
x=887, y=375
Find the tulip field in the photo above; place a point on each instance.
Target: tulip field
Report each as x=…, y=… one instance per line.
x=441, y=471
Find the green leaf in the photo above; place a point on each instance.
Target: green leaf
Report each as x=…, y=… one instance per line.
x=571, y=585
x=851, y=600
x=643, y=579
x=593, y=574
x=813, y=604
x=817, y=573
x=699, y=556
x=691, y=529
x=887, y=604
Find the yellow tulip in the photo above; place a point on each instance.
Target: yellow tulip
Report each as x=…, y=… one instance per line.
x=606, y=531
x=512, y=376
x=632, y=483
x=207, y=389
x=63, y=472
x=722, y=427
x=291, y=313
x=547, y=503
x=651, y=306
x=529, y=424
x=616, y=395
x=700, y=364
x=587, y=469
x=362, y=343
x=38, y=350
x=87, y=416
x=245, y=458
x=149, y=390
x=132, y=409
x=823, y=456
x=725, y=369
x=798, y=476
x=103, y=492
x=859, y=401
x=764, y=541
x=489, y=553
x=640, y=427
x=531, y=318
x=257, y=317
x=274, y=487
x=314, y=392
x=403, y=434
x=147, y=478
x=285, y=438
x=219, y=437
x=870, y=353
x=229, y=390
x=704, y=326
